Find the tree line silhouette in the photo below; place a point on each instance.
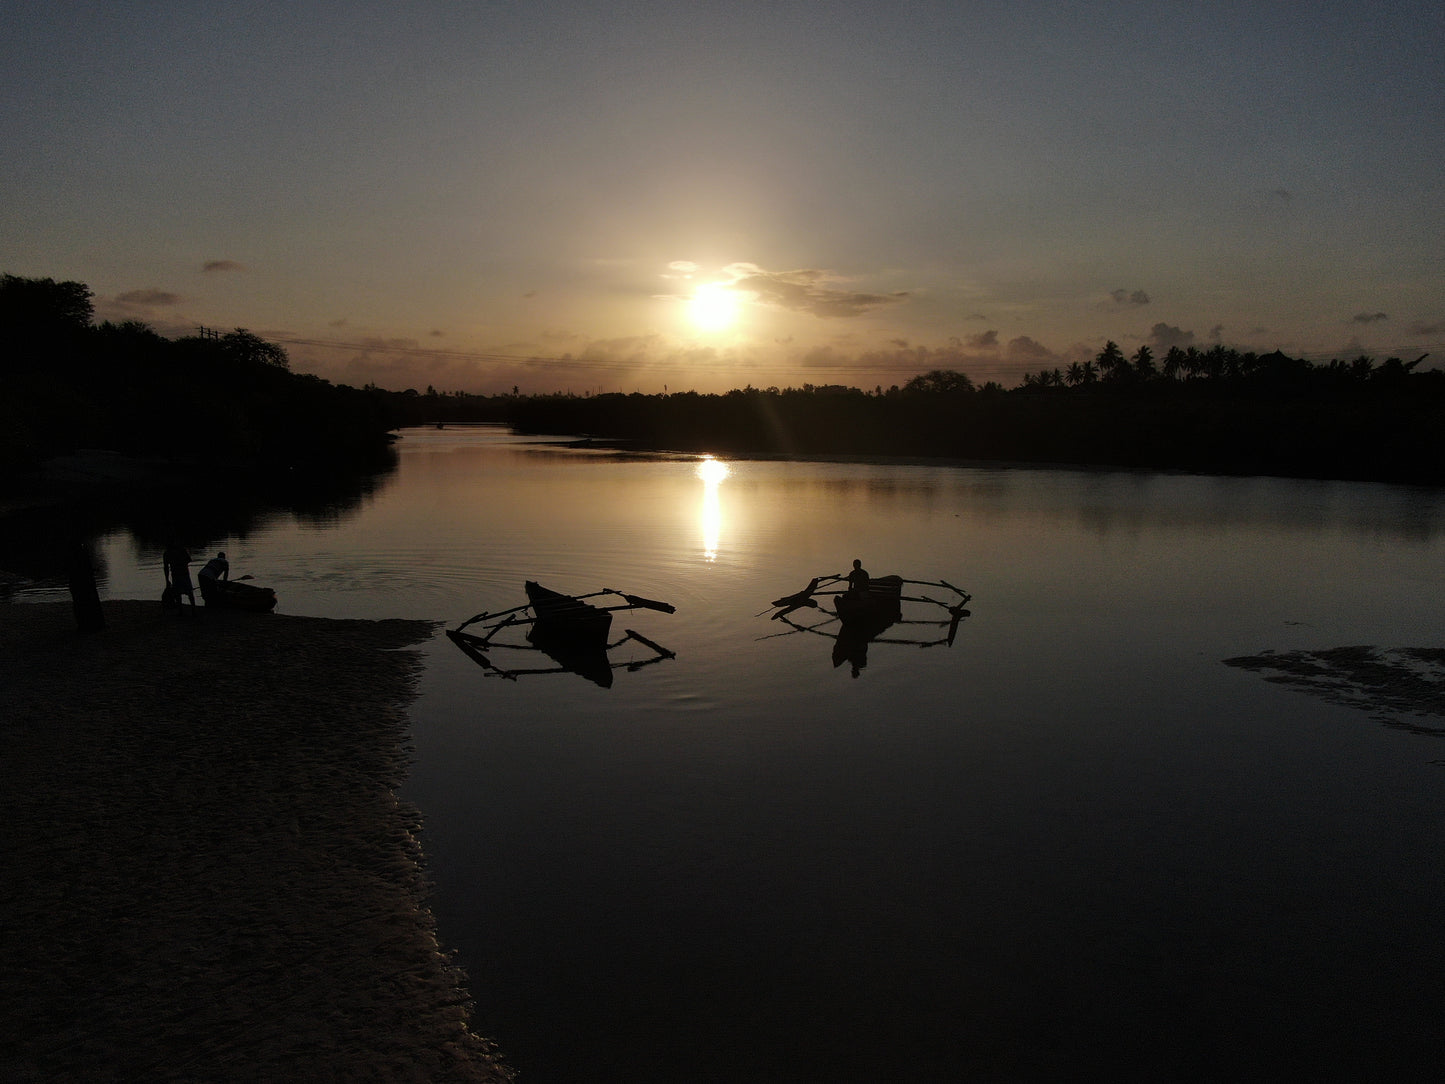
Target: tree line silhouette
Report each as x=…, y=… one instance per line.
x=211, y=396
x=1209, y=411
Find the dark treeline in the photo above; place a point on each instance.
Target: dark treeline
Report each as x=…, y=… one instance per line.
x=211, y=398
x=1215, y=411
x=70, y=383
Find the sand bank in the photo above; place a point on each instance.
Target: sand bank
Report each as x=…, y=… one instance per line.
x=205, y=873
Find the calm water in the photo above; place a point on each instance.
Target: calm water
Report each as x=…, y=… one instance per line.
x=1073, y=842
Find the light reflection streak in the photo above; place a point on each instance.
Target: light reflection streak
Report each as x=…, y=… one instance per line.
x=712, y=472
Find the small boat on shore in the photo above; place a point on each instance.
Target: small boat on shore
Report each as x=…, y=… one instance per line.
x=235, y=595
x=568, y=629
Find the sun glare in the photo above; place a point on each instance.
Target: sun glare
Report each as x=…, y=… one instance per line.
x=712, y=470
x=713, y=307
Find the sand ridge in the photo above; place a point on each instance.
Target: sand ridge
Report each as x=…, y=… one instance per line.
x=205, y=872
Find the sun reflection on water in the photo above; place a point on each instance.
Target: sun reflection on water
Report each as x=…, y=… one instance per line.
x=712, y=472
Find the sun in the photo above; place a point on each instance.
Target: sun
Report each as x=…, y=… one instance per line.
x=713, y=307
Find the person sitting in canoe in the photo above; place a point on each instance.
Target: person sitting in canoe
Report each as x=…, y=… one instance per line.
x=858, y=579
x=216, y=569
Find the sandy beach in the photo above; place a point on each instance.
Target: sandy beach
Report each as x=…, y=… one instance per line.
x=205, y=871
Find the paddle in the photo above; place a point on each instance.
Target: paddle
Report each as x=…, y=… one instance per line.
x=647, y=603
x=797, y=598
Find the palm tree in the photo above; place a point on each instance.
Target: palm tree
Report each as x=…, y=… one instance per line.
x=1173, y=363
x=1111, y=360
x=1144, y=362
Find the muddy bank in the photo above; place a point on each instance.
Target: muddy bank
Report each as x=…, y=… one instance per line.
x=1403, y=687
x=205, y=871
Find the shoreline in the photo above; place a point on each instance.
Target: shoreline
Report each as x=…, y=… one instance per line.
x=208, y=873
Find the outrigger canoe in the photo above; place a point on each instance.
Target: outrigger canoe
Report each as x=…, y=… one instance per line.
x=568, y=629
x=854, y=618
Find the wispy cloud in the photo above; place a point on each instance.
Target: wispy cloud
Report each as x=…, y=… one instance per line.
x=221, y=265
x=1368, y=317
x=1419, y=327
x=146, y=299
x=807, y=291
x=1128, y=298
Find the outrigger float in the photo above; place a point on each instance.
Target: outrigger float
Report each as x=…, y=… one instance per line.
x=567, y=628
x=854, y=619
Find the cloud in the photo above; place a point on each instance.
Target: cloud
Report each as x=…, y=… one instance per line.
x=435, y=334
x=146, y=299
x=1026, y=349
x=1281, y=193
x=1129, y=297
x=1163, y=337
x=1419, y=327
x=221, y=265
x=984, y=340
x=807, y=291
x=1368, y=317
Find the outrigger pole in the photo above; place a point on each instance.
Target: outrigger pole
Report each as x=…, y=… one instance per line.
x=472, y=645
x=633, y=602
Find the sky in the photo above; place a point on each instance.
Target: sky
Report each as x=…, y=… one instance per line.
x=629, y=196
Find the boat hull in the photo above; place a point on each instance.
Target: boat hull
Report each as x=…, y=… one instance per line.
x=564, y=620
x=879, y=606
x=232, y=595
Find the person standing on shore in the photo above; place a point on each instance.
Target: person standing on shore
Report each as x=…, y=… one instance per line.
x=84, y=594
x=177, y=566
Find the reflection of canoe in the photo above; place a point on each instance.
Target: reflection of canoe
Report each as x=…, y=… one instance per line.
x=562, y=619
x=878, y=607
x=234, y=595
x=585, y=659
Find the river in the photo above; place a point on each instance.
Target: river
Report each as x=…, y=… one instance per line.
x=1074, y=841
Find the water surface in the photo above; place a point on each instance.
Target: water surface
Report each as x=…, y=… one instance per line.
x=1075, y=841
